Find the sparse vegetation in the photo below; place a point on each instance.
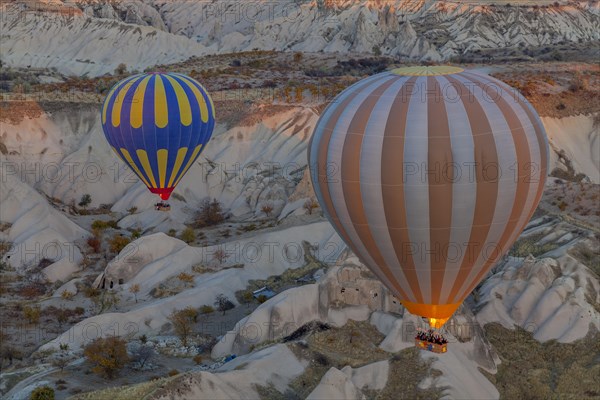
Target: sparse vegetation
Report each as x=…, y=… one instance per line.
x=105, y=300
x=99, y=225
x=530, y=245
x=67, y=295
x=222, y=303
x=118, y=243
x=134, y=289
x=32, y=314
x=187, y=279
x=121, y=69
x=220, y=255
x=247, y=297
x=267, y=209
x=587, y=256
x=403, y=383
x=188, y=235
x=206, y=309
x=549, y=370
x=310, y=205
x=42, y=393
x=141, y=355
x=107, y=355
x=210, y=213
x=262, y=298
x=85, y=201
x=288, y=278
x=95, y=243
x=182, y=321
x=200, y=269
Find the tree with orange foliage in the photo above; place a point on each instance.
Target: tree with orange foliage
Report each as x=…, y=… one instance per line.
x=108, y=355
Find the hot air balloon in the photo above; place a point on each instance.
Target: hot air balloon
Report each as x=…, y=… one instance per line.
x=429, y=175
x=158, y=124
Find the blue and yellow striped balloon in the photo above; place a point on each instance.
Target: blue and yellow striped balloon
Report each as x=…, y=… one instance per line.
x=158, y=124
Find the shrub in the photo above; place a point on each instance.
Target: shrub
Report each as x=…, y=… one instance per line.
x=578, y=83
x=8, y=352
x=132, y=210
x=186, y=278
x=99, y=225
x=106, y=300
x=173, y=372
x=206, y=309
x=247, y=297
x=108, y=355
x=95, y=244
x=85, y=200
x=118, y=243
x=121, y=69
x=42, y=393
x=61, y=316
x=172, y=233
x=220, y=255
x=261, y=298
x=91, y=292
x=32, y=291
x=67, y=295
x=141, y=354
x=182, y=324
x=32, y=314
x=200, y=269
x=134, y=289
x=188, y=235
x=210, y=213
x=222, y=303
x=190, y=313
x=310, y=205
x=225, y=233
x=267, y=208
x=197, y=359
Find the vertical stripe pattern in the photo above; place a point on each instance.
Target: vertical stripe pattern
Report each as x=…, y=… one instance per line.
x=429, y=177
x=158, y=123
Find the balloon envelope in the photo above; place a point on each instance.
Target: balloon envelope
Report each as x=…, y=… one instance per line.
x=429, y=174
x=158, y=124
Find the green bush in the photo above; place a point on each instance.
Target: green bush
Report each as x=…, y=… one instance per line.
x=101, y=225
x=42, y=393
x=188, y=235
x=118, y=243
x=206, y=309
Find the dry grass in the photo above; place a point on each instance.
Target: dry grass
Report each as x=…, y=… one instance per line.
x=407, y=370
x=138, y=391
x=569, y=91
x=529, y=245
x=550, y=370
x=355, y=344
x=587, y=256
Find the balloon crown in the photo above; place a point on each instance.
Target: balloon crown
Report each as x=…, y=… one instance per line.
x=427, y=70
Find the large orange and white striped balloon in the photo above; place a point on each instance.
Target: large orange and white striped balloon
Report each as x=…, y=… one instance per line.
x=429, y=174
